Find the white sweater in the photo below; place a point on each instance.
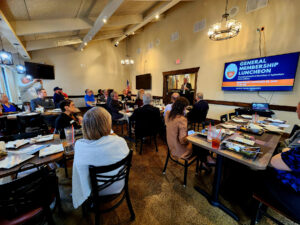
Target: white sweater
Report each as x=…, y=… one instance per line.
x=105, y=151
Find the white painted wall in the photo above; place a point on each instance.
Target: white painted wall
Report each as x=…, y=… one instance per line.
x=280, y=19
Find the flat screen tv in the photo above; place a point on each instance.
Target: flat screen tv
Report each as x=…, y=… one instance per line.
x=40, y=71
x=272, y=73
x=143, y=81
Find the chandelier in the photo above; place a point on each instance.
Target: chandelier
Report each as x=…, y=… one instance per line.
x=127, y=60
x=226, y=29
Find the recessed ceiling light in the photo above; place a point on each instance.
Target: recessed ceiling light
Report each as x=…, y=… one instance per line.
x=157, y=16
x=104, y=20
x=85, y=43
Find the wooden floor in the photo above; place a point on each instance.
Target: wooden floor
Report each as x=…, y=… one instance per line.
x=157, y=198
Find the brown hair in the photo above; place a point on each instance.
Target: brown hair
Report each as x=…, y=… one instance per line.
x=96, y=123
x=178, y=107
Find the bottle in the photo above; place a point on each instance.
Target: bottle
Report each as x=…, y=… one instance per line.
x=209, y=133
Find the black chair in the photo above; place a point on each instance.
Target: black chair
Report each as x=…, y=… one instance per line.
x=232, y=115
x=28, y=124
x=182, y=162
x=295, y=128
x=261, y=211
x=26, y=198
x=101, y=181
x=224, y=118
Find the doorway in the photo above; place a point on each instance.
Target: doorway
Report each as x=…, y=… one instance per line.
x=182, y=81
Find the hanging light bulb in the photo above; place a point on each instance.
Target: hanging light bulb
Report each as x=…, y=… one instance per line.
x=5, y=57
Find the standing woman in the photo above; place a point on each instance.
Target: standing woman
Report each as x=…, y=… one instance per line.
x=139, y=98
x=98, y=148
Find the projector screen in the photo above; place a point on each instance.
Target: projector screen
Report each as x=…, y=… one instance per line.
x=273, y=73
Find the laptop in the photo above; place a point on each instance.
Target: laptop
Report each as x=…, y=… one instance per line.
x=260, y=107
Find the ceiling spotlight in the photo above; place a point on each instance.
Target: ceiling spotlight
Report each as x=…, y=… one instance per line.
x=133, y=33
x=104, y=20
x=116, y=44
x=157, y=16
x=85, y=44
x=81, y=49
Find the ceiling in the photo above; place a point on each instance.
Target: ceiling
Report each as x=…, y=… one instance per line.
x=30, y=25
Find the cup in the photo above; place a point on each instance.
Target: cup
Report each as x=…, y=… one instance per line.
x=216, y=139
x=70, y=135
x=27, y=108
x=255, y=118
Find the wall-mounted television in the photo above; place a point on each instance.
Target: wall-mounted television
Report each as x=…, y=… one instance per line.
x=272, y=73
x=143, y=81
x=40, y=71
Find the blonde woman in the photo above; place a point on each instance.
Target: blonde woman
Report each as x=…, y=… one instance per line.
x=98, y=148
x=139, y=98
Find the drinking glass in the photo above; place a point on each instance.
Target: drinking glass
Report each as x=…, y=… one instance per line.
x=216, y=139
x=70, y=135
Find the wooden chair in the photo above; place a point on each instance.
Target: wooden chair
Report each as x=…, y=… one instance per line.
x=266, y=202
x=224, y=118
x=23, y=199
x=100, y=180
x=182, y=162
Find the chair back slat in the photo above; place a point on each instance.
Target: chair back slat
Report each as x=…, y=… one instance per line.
x=100, y=180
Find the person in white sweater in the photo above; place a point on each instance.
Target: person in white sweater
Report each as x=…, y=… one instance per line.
x=98, y=148
x=28, y=88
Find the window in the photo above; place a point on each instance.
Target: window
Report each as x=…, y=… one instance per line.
x=8, y=84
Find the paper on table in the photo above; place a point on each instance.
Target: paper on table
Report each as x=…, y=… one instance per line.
x=246, y=116
x=52, y=149
x=41, y=138
x=29, y=150
x=16, y=143
x=275, y=120
x=273, y=128
x=12, y=160
x=244, y=141
x=228, y=126
x=238, y=120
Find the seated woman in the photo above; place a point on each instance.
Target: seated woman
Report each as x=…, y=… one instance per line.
x=67, y=118
x=100, y=97
x=139, y=98
x=177, y=132
x=115, y=106
x=98, y=148
x=6, y=106
x=89, y=98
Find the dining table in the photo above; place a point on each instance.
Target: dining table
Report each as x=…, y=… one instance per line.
x=267, y=143
x=36, y=160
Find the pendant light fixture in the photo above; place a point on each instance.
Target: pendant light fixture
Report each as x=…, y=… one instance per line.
x=226, y=29
x=20, y=67
x=127, y=60
x=5, y=57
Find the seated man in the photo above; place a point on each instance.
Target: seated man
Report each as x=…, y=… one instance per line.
x=67, y=118
x=58, y=96
x=200, y=109
x=89, y=98
x=173, y=99
x=281, y=185
x=147, y=118
x=115, y=106
x=41, y=101
x=7, y=106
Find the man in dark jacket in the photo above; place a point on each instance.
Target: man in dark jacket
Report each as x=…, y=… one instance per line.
x=147, y=118
x=41, y=101
x=58, y=96
x=115, y=106
x=200, y=109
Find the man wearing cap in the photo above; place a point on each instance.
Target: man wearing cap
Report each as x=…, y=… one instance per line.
x=57, y=97
x=28, y=88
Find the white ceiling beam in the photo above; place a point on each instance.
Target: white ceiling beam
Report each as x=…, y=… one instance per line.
x=30, y=27
x=106, y=13
x=108, y=34
x=52, y=43
x=123, y=20
x=148, y=18
x=8, y=32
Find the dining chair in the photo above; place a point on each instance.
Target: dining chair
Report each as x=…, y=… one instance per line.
x=224, y=118
x=186, y=163
x=100, y=180
x=23, y=199
x=232, y=115
x=262, y=212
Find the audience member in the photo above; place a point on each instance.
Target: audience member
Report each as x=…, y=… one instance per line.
x=124, y=95
x=173, y=99
x=64, y=94
x=109, y=91
x=200, y=109
x=89, y=98
x=106, y=94
x=101, y=96
x=7, y=106
x=58, y=96
x=147, y=118
x=98, y=148
x=139, y=98
x=28, y=89
x=41, y=101
x=129, y=96
x=115, y=106
x=67, y=118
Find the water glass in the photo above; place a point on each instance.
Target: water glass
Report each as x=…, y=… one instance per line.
x=70, y=135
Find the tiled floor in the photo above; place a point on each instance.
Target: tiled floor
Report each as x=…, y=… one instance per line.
x=157, y=198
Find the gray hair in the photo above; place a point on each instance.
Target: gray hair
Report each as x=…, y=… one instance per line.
x=113, y=94
x=200, y=95
x=147, y=98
